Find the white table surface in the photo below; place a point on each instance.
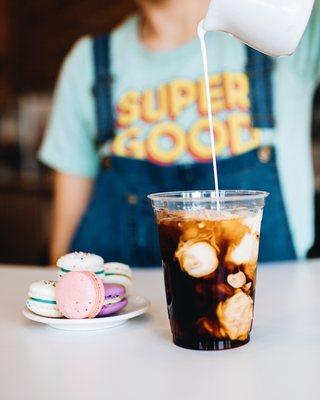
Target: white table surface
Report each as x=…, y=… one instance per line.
x=139, y=361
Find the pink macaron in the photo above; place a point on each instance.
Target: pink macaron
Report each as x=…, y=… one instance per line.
x=80, y=295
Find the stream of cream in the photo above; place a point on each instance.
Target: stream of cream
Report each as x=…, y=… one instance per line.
x=202, y=34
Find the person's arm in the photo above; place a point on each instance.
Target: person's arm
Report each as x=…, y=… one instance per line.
x=69, y=146
x=71, y=196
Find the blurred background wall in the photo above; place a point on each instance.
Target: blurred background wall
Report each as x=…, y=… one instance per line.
x=35, y=35
x=43, y=30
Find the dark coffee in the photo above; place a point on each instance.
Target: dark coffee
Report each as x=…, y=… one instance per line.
x=209, y=265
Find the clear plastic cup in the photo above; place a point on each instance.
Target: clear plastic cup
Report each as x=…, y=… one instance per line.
x=209, y=261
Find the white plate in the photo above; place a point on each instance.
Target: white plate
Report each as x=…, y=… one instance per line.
x=136, y=306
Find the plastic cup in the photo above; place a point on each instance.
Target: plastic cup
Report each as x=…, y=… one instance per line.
x=209, y=260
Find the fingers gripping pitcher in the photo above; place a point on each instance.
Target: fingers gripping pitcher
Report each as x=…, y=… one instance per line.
x=210, y=261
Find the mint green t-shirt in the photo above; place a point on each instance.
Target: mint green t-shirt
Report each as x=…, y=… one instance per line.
x=160, y=111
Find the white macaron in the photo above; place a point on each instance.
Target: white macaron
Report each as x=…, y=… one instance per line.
x=118, y=273
x=79, y=261
x=42, y=299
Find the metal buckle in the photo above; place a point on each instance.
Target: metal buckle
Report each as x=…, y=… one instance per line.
x=106, y=163
x=265, y=154
x=132, y=199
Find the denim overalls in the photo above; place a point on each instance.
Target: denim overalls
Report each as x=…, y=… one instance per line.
x=119, y=224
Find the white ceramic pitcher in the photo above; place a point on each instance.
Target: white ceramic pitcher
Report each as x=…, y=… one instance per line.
x=274, y=27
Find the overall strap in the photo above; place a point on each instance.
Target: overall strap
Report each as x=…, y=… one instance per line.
x=259, y=71
x=102, y=88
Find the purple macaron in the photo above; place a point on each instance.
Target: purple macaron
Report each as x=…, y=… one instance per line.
x=115, y=299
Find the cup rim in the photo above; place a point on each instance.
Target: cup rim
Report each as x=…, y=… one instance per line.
x=203, y=196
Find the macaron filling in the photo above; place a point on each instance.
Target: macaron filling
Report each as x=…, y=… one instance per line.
x=42, y=300
x=65, y=270
x=113, y=300
x=116, y=274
